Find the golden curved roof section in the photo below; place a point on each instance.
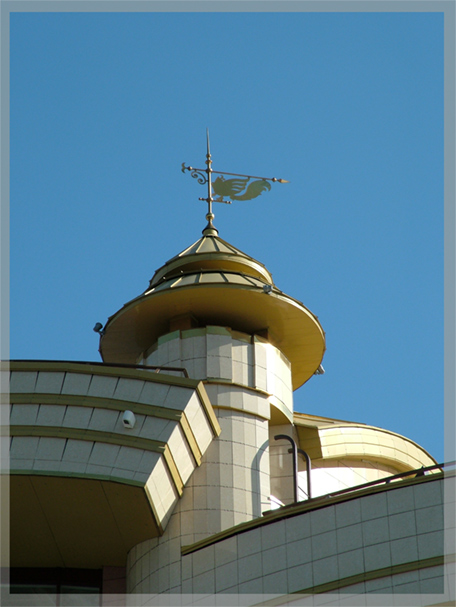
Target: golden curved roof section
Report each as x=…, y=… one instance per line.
x=211, y=253
x=216, y=284
x=328, y=439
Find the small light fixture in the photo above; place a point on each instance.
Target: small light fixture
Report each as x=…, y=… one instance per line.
x=98, y=328
x=267, y=289
x=320, y=371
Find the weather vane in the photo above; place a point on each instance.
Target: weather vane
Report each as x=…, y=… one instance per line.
x=227, y=188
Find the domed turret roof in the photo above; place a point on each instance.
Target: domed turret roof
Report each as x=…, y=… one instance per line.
x=211, y=253
x=214, y=283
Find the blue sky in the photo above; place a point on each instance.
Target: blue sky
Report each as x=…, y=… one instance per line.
x=348, y=107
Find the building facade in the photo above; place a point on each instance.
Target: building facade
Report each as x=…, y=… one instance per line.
x=160, y=472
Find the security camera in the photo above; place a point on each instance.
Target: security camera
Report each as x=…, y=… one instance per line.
x=129, y=419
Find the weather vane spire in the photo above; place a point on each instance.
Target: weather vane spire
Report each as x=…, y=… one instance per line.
x=226, y=188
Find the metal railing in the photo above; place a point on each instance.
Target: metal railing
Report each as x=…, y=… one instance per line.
x=156, y=369
x=387, y=479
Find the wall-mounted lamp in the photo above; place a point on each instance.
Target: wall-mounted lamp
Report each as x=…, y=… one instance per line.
x=98, y=328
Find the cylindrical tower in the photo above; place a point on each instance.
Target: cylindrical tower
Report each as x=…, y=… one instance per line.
x=216, y=311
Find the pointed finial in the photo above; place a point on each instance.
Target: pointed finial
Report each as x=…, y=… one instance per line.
x=210, y=229
x=232, y=188
x=209, y=176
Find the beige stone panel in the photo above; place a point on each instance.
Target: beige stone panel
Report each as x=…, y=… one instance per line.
x=77, y=451
x=250, y=403
x=23, y=382
x=154, y=393
x=50, y=448
x=178, y=397
x=213, y=473
x=128, y=389
x=105, y=420
x=50, y=415
x=261, y=378
x=77, y=417
x=242, y=351
x=46, y=465
x=226, y=476
x=250, y=433
x=148, y=462
x=187, y=349
x=102, y=386
x=23, y=415
x=257, y=404
x=122, y=473
x=219, y=367
x=199, y=368
x=222, y=395
x=393, y=454
x=156, y=428
x=162, y=353
x=199, y=423
x=76, y=383
x=240, y=373
x=154, y=359
x=191, y=367
x=72, y=468
x=49, y=383
x=23, y=447
x=104, y=454
x=217, y=344
x=162, y=492
x=199, y=346
x=260, y=352
x=418, y=456
x=237, y=424
x=174, y=350
x=128, y=458
x=181, y=453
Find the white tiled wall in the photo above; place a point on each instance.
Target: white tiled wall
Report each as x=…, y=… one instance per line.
x=232, y=485
x=96, y=455
x=219, y=353
x=332, y=543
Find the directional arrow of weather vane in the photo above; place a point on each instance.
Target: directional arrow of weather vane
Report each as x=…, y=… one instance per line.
x=229, y=188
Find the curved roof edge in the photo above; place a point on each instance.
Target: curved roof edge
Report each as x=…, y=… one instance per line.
x=324, y=438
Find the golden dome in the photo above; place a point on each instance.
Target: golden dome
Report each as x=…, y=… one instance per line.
x=207, y=254
x=213, y=283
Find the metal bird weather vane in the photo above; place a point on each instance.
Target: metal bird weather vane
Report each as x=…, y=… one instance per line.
x=240, y=188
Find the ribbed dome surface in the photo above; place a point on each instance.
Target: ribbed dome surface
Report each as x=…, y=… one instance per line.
x=211, y=253
x=213, y=283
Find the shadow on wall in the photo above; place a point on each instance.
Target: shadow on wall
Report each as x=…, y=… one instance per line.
x=257, y=507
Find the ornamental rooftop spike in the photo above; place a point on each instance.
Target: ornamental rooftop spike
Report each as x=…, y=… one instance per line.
x=233, y=189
